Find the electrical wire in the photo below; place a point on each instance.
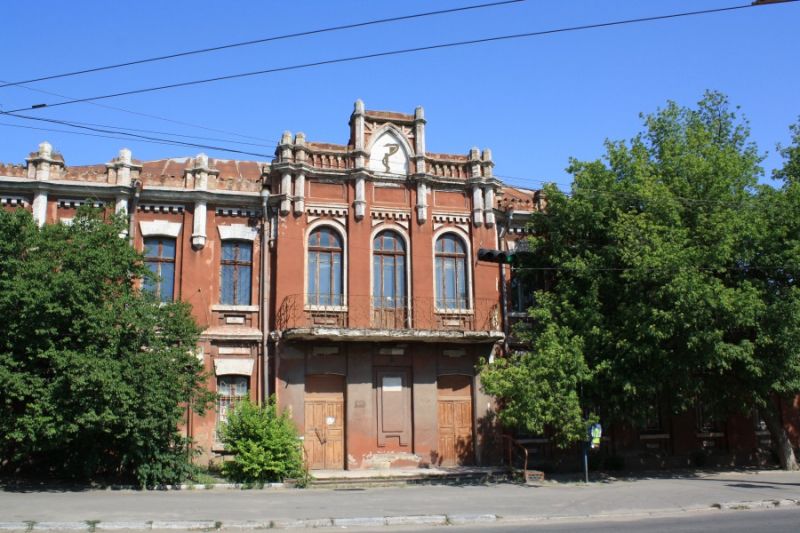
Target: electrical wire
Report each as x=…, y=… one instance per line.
x=393, y=53
x=142, y=137
x=263, y=40
x=152, y=116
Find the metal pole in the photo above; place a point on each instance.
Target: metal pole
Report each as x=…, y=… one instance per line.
x=586, y=462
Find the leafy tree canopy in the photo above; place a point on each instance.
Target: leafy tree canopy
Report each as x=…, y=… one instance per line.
x=94, y=375
x=672, y=272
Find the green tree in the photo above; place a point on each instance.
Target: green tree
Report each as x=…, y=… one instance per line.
x=662, y=265
x=94, y=375
x=264, y=444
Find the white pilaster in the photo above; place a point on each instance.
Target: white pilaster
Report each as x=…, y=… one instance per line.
x=40, y=207
x=286, y=191
x=422, y=202
x=299, y=193
x=477, y=205
x=419, y=139
x=199, y=224
x=488, y=205
x=360, y=202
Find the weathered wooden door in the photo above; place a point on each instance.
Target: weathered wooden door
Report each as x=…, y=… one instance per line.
x=455, y=421
x=393, y=396
x=324, y=422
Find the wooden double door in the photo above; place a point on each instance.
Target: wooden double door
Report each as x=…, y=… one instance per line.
x=324, y=422
x=456, y=443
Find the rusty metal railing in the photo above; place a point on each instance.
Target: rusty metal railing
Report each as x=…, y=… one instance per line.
x=369, y=312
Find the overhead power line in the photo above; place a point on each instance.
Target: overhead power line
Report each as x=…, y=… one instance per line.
x=263, y=40
x=148, y=115
x=140, y=136
x=394, y=53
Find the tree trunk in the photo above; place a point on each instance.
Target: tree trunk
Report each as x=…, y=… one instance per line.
x=780, y=439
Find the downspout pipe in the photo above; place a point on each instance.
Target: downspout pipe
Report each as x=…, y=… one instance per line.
x=264, y=291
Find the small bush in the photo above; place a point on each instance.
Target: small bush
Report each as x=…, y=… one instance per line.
x=264, y=444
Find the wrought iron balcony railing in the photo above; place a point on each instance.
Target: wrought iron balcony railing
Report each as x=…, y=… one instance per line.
x=370, y=312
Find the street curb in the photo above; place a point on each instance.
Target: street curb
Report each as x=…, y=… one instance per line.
x=91, y=526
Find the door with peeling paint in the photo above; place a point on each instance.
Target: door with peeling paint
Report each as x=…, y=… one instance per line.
x=455, y=421
x=324, y=422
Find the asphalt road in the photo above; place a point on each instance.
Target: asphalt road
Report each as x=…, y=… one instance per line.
x=772, y=520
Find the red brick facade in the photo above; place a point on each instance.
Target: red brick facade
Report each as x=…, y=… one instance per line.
x=340, y=278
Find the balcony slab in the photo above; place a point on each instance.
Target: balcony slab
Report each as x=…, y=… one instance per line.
x=391, y=335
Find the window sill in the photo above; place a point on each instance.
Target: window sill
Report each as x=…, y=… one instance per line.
x=334, y=308
x=235, y=308
x=453, y=312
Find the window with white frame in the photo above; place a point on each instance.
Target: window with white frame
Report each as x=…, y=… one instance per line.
x=237, y=269
x=388, y=271
x=159, y=256
x=230, y=390
x=325, y=280
x=451, y=273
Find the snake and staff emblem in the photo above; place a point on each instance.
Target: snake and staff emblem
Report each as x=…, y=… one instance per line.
x=393, y=148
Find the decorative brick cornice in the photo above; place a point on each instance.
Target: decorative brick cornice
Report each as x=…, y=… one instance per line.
x=161, y=208
x=454, y=218
x=335, y=211
x=14, y=201
x=391, y=214
x=75, y=203
x=237, y=212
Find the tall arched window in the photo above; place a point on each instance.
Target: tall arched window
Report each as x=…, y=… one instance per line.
x=325, y=267
x=451, y=273
x=388, y=271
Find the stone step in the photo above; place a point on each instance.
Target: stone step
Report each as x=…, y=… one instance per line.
x=386, y=478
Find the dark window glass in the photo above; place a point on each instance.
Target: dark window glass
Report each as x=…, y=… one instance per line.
x=325, y=285
x=388, y=271
x=451, y=273
x=159, y=255
x=236, y=275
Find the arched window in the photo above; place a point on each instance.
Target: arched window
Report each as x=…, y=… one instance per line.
x=325, y=267
x=159, y=256
x=388, y=271
x=451, y=273
x=237, y=266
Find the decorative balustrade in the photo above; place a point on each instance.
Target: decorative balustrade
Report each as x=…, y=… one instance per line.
x=377, y=313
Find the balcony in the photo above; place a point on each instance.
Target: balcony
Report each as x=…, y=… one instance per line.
x=368, y=318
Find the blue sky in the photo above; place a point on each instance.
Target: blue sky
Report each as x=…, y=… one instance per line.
x=535, y=102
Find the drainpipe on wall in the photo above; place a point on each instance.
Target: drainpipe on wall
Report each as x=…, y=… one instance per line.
x=502, y=231
x=265, y=295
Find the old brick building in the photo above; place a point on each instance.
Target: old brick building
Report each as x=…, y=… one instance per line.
x=340, y=278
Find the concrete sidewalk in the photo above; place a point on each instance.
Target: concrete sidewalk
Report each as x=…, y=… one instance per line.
x=428, y=505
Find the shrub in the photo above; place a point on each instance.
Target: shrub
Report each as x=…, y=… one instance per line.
x=265, y=445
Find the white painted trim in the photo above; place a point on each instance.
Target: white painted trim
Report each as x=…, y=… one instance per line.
x=397, y=133
x=235, y=308
x=160, y=228
x=237, y=232
x=340, y=228
x=231, y=366
x=465, y=238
